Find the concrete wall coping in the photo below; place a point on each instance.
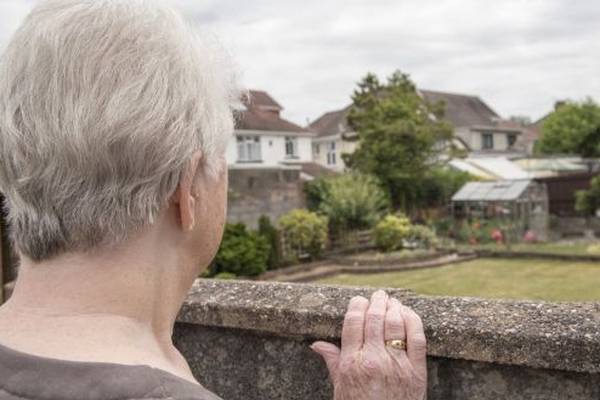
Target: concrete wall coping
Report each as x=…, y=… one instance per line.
x=558, y=336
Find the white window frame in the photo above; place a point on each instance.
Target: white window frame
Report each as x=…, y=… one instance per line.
x=249, y=148
x=485, y=144
x=291, y=147
x=331, y=154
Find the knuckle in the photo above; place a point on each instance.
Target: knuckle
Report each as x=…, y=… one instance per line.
x=354, y=318
x=375, y=317
x=394, y=324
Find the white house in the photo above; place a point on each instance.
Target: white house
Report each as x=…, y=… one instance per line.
x=333, y=138
x=263, y=139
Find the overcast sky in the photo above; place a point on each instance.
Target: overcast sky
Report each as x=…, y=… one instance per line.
x=520, y=56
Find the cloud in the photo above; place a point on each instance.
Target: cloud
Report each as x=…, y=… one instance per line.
x=520, y=56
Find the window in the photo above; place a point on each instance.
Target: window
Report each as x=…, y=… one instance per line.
x=316, y=148
x=249, y=149
x=487, y=141
x=291, y=147
x=512, y=139
x=331, y=156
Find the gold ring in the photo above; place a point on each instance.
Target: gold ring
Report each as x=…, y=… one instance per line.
x=397, y=344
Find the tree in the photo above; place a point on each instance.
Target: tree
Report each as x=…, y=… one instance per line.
x=399, y=136
x=588, y=201
x=573, y=128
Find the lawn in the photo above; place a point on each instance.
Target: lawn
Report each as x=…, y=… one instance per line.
x=494, y=278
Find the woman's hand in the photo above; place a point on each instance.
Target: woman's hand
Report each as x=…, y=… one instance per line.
x=365, y=368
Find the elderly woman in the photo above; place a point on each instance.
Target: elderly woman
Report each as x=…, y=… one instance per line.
x=114, y=119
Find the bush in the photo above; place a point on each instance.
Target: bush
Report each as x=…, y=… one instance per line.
x=390, y=233
x=269, y=232
x=304, y=232
x=225, y=276
x=353, y=202
x=242, y=253
x=588, y=201
x=423, y=236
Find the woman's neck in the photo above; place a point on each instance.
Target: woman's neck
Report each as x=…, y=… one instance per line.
x=123, y=298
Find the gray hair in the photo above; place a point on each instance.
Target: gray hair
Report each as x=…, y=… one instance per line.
x=102, y=104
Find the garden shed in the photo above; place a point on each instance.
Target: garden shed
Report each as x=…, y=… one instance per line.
x=521, y=203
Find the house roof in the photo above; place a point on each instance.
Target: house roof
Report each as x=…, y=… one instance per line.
x=332, y=122
x=463, y=110
x=314, y=170
x=491, y=168
x=262, y=113
x=492, y=191
x=260, y=98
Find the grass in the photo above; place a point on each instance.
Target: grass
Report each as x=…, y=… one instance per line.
x=493, y=278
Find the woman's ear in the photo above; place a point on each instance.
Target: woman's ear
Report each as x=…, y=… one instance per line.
x=185, y=196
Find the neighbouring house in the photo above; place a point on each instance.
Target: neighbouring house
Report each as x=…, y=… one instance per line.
x=263, y=138
x=478, y=129
x=476, y=125
x=333, y=138
x=268, y=159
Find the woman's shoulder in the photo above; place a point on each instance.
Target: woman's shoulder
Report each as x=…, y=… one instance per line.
x=177, y=388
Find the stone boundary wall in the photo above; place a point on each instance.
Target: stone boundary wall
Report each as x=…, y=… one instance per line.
x=249, y=340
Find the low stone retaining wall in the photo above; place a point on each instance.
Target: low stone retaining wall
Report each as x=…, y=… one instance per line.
x=353, y=265
x=249, y=340
x=534, y=254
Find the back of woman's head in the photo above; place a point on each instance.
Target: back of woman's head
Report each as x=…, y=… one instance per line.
x=102, y=103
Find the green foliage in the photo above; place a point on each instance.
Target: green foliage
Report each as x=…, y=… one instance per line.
x=573, y=128
x=225, y=276
x=352, y=202
x=242, y=253
x=423, y=236
x=588, y=201
x=438, y=185
x=390, y=233
x=269, y=232
x=399, y=135
x=304, y=231
x=315, y=191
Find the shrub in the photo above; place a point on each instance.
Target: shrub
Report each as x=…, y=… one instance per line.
x=269, y=232
x=225, y=276
x=304, y=232
x=390, y=233
x=353, y=202
x=423, y=236
x=242, y=253
x=588, y=201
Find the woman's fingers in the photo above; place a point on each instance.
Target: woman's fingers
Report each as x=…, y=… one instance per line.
x=375, y=319
x=394, y=321
x=354, y=323
x=330, y=353
x=415, y=340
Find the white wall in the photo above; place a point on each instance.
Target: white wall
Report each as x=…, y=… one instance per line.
x=341, y=147
x=272, y=149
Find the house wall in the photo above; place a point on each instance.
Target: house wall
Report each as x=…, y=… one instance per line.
x=272, y=149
